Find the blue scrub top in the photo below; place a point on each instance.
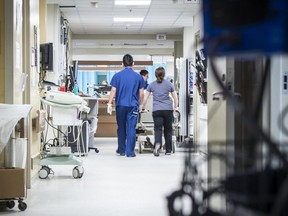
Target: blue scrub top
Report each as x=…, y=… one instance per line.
x=127, y=83
x=145, y=85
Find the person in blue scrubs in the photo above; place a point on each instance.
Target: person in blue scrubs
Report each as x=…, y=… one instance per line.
x=128, y=90
x=145, y=75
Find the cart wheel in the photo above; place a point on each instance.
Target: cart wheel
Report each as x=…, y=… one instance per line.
x=163, y=149
x=44, y=172
x=81, y=169
x=75, y=172
x=173, y=147
x=96, y=150
x=78, y=172
x=22, y=206
x=140, y=148
x=81, y=174
x=10, y=204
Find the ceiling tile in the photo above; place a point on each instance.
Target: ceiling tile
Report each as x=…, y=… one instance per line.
x=162, y=16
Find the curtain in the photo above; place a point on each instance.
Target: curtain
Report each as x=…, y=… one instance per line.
x=85, y=78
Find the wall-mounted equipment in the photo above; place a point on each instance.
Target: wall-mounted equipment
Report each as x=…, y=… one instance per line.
x=46, y=56
x=64, y=30
x=71, y=78
x=201, y=75
x=239, y=27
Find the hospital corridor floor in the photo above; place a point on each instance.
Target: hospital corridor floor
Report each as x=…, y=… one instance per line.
x=112, y=185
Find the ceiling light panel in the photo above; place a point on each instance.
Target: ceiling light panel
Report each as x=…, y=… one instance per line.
x=128, y=19
x=132, y=2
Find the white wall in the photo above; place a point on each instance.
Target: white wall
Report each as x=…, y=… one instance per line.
x=200, y=133
x=188, y=42
x=217, y=130
x=13, y=51
x=210, y=119
x=32, y=70
x=279, y=100
x=170, y=68
x=53, y=36
x=21, y=15
x=13, y=63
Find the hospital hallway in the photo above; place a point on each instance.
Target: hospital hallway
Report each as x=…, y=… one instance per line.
x=112, y=185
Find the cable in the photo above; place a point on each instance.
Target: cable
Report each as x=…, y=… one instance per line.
x=189, y=183
x=280, y=208
x=240, y=110
x=256, y=113
x=57, y=129
x=251, y=123
x=281, y=120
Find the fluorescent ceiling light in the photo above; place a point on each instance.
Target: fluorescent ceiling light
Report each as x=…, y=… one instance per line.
x=132, y=2
x=128, y=19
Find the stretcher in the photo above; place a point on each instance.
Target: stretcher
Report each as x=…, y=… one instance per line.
x=145, y=132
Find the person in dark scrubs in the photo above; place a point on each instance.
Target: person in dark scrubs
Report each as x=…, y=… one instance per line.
x=128, y=90
x=163, y=106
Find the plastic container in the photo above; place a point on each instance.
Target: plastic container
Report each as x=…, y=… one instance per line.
x=76, y=89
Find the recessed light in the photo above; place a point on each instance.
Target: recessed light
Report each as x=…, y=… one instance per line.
x=132, y=2
x=128, y=19
x=67, y=6
x=94, y=4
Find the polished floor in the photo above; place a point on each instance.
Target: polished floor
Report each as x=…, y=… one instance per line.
x=111, y=185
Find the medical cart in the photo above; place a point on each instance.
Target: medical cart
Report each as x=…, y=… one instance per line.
x=63, y=115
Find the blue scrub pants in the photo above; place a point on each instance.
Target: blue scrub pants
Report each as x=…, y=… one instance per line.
x=126, y=121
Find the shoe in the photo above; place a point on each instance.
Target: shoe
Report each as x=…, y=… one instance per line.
x=168, y=153
x=156, y=150
x=131, y=155
x=121, y=154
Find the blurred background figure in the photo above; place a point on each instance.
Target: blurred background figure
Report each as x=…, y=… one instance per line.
x=145, y=75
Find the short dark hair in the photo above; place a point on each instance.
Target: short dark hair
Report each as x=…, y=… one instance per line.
x=144, y=72
x=127, y=60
